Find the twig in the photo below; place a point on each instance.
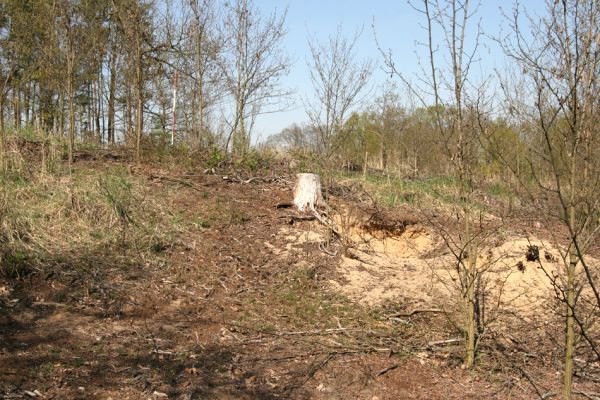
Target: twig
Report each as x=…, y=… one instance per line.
x=328, y=224
x=548, y=395
x=156, y=349
x=386, y=370
x=447, y=341
x=48, y=304
x=591, y=396
x=530, y=380
x=299, y=217
x=316, y=368
x=315, y=332
x=415, y=311
x=326, y=251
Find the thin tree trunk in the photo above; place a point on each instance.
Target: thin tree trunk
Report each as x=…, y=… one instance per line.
x=570, y=292
x=2, y=135
x=200, y=83
x=101, y=110
x=96, y=90
x=71, y=115
x=195, y=129
x=111, y=98
x=200, y=113
x=139, y=123
x=89, y=111
x=382, y=154
x=570, y=323
x=16, y=108
x=471, y=269
x=61, y=115
x=129, y=118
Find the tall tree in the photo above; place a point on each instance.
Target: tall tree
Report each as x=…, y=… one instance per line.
x=206, y=45
x=338, y=81
x=135, y=22
x=458, y=117
x=253, y=64
x=560, y=56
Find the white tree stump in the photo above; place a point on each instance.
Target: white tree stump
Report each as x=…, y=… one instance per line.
x=307, y=194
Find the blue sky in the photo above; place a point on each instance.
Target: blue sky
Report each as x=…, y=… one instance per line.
x=397, y=26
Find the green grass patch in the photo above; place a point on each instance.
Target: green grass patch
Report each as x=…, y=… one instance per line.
x=499, y=190
x=392, y=191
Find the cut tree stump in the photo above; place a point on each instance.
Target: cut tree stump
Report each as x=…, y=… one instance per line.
x=307, y=194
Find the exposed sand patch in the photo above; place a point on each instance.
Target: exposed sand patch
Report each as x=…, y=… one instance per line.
x=396, y=268
x=382, y=266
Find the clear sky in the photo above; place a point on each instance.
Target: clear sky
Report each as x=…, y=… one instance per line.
x=398, y=28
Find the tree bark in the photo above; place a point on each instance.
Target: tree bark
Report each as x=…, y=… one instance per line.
x=111, y=96
x=307, y=194
x=71, y=114
x=139, y=122
x=16, y=105
x=2, y=134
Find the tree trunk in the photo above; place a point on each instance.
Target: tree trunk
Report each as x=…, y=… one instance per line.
x=129, y=118
x=307, y=194
x=89, y=111
x=2, y=135
x=471, y=274
x=111, y=98
x=16, y=105
x=71, y=116
x=200, y=113
x=570, y=291
x=200, y=82
x=97, y=100
x=139, y=122
x=570, y=325
x=61, y=115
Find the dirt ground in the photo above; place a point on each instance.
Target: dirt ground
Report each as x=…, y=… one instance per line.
x=257, y=305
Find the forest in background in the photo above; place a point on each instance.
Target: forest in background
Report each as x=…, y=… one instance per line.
x=192, y=77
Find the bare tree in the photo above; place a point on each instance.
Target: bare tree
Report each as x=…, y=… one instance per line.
x=458, y=114
x=338, y=81
x=253, y=63
x=206, y=46
x=560, y=57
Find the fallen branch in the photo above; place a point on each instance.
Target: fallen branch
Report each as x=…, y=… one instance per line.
x=416, y=311
x=353, y=254
x=299, y=217
x=327, y=223
x=315, y=368
x=531, y=381
x=588, y=395
x=326, y=251
x=48, y=304
x=444, y=342
x=386, y=370
x=172, y=179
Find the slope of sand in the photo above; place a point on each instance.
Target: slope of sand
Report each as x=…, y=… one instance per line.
x=415, y=267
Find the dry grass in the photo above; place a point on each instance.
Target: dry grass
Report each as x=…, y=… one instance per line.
x=94, y=210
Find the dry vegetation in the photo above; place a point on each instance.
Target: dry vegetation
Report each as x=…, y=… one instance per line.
x=180, y=279
x=149, y=250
